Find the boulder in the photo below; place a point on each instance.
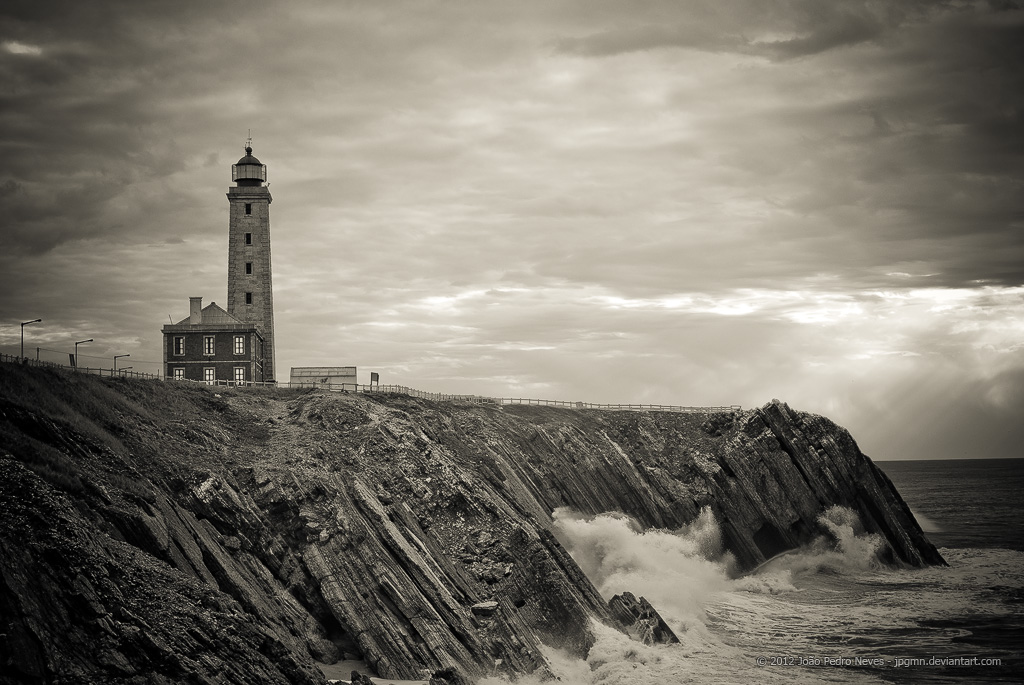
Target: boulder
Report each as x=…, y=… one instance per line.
x=641, y=619
x=484, y=608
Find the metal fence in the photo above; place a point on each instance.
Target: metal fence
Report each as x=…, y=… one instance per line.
x=392, y=389
x=476, y=399
x=111, y=373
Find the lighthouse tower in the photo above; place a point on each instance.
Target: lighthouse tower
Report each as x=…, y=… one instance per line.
x=250, y=286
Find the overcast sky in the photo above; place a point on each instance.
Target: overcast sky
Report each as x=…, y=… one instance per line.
x=717, y=202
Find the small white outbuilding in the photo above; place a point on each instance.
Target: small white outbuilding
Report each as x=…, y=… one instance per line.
x=323, y=376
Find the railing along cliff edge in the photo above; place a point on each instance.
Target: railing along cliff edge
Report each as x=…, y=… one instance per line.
x=396, y=389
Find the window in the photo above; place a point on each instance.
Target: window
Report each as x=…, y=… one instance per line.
x=179, y=374
x=239, y=374
x=179, y=345
x=248, y=298
x=248, y=268
x=248, y=238
x=248, y=208
x=208, y=346
x=209, y=375
x=239, y=344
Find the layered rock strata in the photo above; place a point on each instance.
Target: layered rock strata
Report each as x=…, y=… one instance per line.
x=157, y=530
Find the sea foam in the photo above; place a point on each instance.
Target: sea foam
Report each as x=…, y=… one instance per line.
x=683, y=572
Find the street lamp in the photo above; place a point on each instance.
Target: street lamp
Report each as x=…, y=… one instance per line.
x=118, y=356
x=80, y=342
x=23, y=335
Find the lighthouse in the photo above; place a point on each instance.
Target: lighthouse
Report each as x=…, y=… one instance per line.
x=250, y=282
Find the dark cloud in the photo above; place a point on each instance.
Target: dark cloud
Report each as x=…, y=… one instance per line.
x=849, y=30
x=750, y=28
x=650, y=37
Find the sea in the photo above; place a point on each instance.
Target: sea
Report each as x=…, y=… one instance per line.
x=827, y=613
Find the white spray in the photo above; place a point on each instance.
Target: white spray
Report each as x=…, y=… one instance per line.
x=682, y=572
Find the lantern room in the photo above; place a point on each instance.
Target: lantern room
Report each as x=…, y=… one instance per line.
x=249, y=171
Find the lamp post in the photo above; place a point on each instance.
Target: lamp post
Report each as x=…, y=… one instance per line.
x=80, y=342
x=23, y=334
x=118, y=356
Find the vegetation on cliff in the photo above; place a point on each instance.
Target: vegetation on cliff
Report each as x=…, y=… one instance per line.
x=165, y=532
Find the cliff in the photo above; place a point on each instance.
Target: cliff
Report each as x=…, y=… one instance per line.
x=171, y=533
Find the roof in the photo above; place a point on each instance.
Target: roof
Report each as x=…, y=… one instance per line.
x=213, y=315
x=214, y=319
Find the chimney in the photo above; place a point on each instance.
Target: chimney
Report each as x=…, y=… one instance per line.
x=195, y=310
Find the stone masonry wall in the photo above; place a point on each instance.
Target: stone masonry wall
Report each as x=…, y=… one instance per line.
x=260, y=281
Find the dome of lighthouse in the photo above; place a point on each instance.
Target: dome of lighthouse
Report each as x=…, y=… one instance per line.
x=249, y=159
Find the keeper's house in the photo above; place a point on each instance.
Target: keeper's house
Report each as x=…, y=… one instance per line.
x=212, y=346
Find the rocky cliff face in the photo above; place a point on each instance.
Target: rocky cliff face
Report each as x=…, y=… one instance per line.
x=157, y=532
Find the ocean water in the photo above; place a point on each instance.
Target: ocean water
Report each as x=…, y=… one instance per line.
x=827, y=613
x=964, y=503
